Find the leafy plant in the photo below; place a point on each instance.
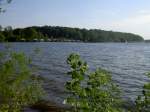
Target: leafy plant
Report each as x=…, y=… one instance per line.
x=90, y=92
x=18, y=88
x=143, y=101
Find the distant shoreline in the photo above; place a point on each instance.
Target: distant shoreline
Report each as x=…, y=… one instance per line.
x=70, y=42
x=65, y=34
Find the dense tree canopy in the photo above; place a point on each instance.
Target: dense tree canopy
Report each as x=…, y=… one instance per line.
x=92, y=35
x=56, y=33
x=2, y=37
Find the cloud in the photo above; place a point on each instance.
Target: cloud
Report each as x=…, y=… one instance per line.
x=144, y=11
x=139, y=24
x=134, y=21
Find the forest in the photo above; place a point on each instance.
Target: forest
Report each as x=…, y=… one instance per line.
x=64, y=34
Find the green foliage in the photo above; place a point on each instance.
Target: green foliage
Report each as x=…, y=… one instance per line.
x=90, y=92
x=92, y=35
x=57, y=33
x=29, y=34
x=26, y=34
x=2, y=37
x=143, y=101
x=18, y=88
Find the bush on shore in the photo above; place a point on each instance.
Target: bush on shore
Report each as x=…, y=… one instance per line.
x=18, y=88
x=91, y=92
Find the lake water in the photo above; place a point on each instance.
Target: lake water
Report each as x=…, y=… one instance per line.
x=128, y=63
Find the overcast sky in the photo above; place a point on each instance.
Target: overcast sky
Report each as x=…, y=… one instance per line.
x=117, y=15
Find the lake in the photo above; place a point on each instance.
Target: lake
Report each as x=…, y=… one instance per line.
x=128, y=63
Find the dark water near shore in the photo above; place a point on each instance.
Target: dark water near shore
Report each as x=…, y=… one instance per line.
x=127, y=63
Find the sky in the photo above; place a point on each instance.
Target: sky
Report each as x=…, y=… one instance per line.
x=117, y=15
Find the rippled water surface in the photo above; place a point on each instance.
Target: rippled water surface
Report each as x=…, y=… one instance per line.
x=127, y=63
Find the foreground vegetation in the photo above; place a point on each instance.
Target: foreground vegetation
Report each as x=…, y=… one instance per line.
x=18, y=88
x=52, y=33
x=95, y=92
x=91, y=92
x=143, y=101
x=87, y=91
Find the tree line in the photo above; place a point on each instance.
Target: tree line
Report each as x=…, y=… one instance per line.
x=57, y=33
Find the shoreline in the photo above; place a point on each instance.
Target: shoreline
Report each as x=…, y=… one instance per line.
x=46, y=106
x=69, y=42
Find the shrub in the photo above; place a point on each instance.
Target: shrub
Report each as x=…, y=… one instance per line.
x=18, y=88
x=90, y=92
x=143, y=101
x=2, y=37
